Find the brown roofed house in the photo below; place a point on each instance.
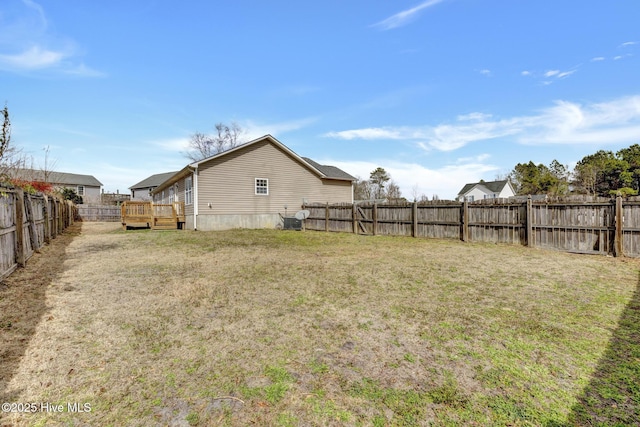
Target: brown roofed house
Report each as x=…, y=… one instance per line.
x=251, y=186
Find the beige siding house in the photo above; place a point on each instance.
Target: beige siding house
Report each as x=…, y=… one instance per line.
x=251, y=186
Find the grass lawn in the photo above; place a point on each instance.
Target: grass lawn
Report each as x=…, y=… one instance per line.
x=285, y=328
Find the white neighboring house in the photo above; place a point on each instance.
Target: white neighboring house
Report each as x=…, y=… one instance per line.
x=486, y=190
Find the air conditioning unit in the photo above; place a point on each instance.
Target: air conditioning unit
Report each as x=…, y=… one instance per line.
x=292, y=223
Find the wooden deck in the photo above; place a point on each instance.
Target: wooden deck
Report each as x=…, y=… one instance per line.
x=151, y=215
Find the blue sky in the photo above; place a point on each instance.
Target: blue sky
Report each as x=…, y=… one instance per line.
x=438, y=92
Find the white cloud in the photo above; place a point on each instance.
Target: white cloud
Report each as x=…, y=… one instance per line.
x=597, y=59
x=549, y=76
x=627, y=44
x=83, y=71
x=174, y=144
x=477, y=159
x=444, y=181
x=485, y=72
x=616, y=121
x=565, y=74
x=474, y=116
x=403, y=18
x=32, y=58
x=369, y=133
x=27, y=44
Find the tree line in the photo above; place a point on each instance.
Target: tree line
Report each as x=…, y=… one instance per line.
x=603, y=173
x=379, y=186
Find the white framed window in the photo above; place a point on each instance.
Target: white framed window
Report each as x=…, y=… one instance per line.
x=262, y=187
x=468, y=198
x=188, y=191
x=172, y=195
x=80, y=190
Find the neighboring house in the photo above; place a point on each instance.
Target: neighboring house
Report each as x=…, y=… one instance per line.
x=486, y=190
x=143, y=189
x=86, y=186
x=114, y=199
x=251, y=186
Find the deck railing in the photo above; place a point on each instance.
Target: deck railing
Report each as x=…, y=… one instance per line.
x=152, y=215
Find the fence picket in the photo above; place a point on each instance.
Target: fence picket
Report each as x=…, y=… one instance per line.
x=27, y=223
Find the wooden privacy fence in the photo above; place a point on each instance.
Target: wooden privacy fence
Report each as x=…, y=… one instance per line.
x=27, y=223
x=598, y=226
x=101, y=213
x=147, y=214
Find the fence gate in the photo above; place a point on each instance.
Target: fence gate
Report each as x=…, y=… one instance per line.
x=576, y=227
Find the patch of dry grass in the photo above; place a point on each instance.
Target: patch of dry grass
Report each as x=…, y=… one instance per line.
x=288, y=328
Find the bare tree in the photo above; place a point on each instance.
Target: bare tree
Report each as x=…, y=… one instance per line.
x=5, y=135
x=414, y=192
x=501, y=176
x=49, y=165
x=11, y=159
x=226, y=137
x=417, y=196
x=362, y=189
x=200, y=147
x=393, y=192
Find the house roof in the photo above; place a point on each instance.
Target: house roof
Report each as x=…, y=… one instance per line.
x=153, y=180
x=323, y=171
x=58, y=178
x=492, y=186
x=330, y=171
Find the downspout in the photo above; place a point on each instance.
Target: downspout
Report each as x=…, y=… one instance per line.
x=195, y=198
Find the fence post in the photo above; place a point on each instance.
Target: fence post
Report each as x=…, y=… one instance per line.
x=617, y=239
x=414, y=217
x=465, y=221
x=31, y=224
x=54, y=218
x=375, y=218
x=326, y=218
x=529, y=222
x=60, y=211
x=47, y=225
x=19, y=222
x=354, y=216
